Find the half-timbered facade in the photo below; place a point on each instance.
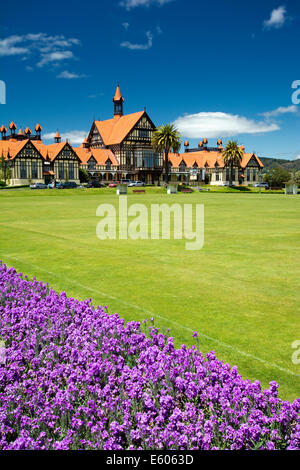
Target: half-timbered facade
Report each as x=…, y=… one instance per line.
x=206, y=165
x=129, y=138
x=29, y=160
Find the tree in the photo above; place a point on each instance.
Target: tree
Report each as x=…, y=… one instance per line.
x=5, y=171
x=166, y=138
x=233, y=155
x=276, y=177
x=83, y=176
x=295, y=177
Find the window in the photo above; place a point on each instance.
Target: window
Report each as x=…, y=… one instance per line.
x=92, y=164
x=28, y=152
x=71, y=171
x=145, y=158
x=143, y=133
x=108, y=164
x=248, y=175
x=128, y=157
x=217, y=174
x=34, y=170
x=23, y=170
x=254, y=175
x=227, y=174
x=61, y=170
x=182, y=166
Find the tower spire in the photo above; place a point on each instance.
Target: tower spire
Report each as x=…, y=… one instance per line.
x=118, y=101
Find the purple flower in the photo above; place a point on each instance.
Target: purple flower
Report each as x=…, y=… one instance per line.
x=75, y=377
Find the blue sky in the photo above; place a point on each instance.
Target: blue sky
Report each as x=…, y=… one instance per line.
x=217, y=69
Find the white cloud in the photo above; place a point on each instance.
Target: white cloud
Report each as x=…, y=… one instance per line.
x=218, y=124
x=41, y=47
x=70, y=75
x=54, y=57
x=8, y=46
x=129, y=4
x=75, y=137
x=141, y=47
x=277, y=18
x=280, y=110
x=125, y=25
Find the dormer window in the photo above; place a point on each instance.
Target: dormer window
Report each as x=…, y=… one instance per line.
x=182, y=166
x=108, y=164
x=92, y=164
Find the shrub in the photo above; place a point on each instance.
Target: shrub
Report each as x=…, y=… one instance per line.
x=74, y=377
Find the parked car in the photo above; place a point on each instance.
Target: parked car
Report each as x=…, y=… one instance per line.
x=38, y=186
x=136, y=183
x=262, y=185
x=67, y=185
x=95, y=184
x=126, y=182
x=225, y=183
x=112, y=185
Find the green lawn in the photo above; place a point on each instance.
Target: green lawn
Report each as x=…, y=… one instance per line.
x=241, y=291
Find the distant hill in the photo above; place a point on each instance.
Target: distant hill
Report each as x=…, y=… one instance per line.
x=275, y=162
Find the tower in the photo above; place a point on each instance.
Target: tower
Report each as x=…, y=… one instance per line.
x=118, y=101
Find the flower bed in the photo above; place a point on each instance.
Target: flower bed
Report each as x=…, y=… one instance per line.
x=74, y=377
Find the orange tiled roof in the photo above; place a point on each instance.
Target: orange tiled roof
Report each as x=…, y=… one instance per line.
x=207, y=157
x=11, y=148
x=100, y=155
x=113, y=131
x=52, y=149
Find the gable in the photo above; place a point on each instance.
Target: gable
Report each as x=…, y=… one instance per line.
x=94, y=137
x=252, y=162
x=26, y=149
x=143, y=129
x=67, y=153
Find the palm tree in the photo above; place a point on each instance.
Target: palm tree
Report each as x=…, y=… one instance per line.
x=166, y=138
x=233, y=155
